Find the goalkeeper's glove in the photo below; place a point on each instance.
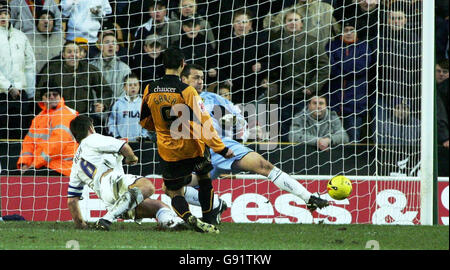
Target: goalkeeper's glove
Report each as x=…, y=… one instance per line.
x=228, y=120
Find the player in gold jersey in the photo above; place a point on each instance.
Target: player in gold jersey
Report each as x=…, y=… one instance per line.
x=184, y=132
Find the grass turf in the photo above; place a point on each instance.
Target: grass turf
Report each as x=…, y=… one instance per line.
x=24, y=235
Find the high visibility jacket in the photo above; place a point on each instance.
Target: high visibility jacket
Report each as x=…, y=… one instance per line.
x=49, y=141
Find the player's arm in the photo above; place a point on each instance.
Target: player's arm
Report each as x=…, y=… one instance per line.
x=146, y=120
x=75, y=212
x=127, y=152
x=208, y=133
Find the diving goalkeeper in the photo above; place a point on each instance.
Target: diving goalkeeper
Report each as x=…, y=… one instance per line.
x=245, y=159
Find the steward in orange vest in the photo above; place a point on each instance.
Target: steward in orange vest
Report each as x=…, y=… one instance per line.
x=49, y=141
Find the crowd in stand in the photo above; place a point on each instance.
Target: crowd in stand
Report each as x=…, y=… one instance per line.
x=331, y=56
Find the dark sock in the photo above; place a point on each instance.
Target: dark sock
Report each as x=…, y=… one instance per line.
x=181, y=207
x=206, y=195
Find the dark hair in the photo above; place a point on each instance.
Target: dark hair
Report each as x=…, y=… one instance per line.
x=187, y=69
x=79, y=126
x=67, y=43
x=443, y=63
x=191, y=22
x=4, y=6
x=154, y=3
x=45, y=12
x=243, y=11
x=107, y=34
x=130, y=76
x=173, y=58
x=220, y=86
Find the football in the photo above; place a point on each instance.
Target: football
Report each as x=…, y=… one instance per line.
x=339, y=187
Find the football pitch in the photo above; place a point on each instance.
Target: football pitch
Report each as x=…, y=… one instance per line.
x=24, y=235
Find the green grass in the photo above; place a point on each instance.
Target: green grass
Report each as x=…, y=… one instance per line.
x=55, y=236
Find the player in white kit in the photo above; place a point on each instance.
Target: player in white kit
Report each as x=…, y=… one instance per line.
x=98, y=164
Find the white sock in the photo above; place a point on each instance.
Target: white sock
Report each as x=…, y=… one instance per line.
x=129, y=200
x=166, y=215
x=289, y=184
x=191, y=196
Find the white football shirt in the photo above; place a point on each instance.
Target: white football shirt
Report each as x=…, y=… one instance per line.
x=95, y=155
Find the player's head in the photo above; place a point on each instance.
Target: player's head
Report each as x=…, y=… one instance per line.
x=81, y=126
x=173, y=59
x=192, y=75
x=131, y=85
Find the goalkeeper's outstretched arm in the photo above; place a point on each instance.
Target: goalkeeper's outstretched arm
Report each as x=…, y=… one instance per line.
x=75, y=212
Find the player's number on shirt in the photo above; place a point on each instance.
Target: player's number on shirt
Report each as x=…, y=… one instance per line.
x=165, y=114
x=88, y=168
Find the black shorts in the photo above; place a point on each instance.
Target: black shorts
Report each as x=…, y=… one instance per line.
x=179, y=173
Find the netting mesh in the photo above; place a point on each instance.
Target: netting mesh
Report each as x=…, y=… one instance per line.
x=327, y=88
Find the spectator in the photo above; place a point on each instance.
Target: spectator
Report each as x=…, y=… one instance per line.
x=109, y=27
x=149, y=65
x=85, y=19
x=442, y=79
x=83, y=86
x=49, y=142
x=112, y=68
x=243, y=58
x=317, y=17
x=196, y=49
x=401, y=127
x=123, y=121
x=17, y=78
x=24, y=13
x=188, y=11
x=350, y=60
x=442, y=101
x=399, y=61
x=304, y=67
x=47, y=43
x=365, y=14
x=160, y=24
x=316, y=125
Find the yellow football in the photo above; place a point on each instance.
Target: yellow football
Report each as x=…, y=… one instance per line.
x=339, y=187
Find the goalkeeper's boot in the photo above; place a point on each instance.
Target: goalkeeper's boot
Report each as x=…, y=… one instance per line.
x=215, y=216
x=316, y=202
x=201, y=226
x=102, y=224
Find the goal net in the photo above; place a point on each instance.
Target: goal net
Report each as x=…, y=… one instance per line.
x=326, y=88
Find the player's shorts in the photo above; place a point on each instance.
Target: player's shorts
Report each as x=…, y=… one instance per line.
x=222, y=165
x=178, y=174
x=113, y=185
